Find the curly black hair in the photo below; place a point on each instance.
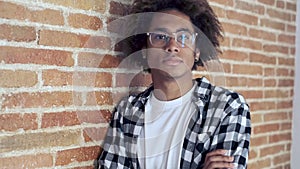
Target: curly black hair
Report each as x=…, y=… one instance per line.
x=201, y=15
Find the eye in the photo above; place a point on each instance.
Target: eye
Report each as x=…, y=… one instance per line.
x=183, y=37
x=157, y=36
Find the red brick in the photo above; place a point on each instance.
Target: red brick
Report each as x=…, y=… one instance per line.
x=254, y=82
x=94, y=134
x=46, y=16
x=291, y=39
x=285, y=83
x=62, y=39
x=241, y=81
x=276, y=93
x=272, y=24
x=35, y=100
x=98, y=61
x=261, y=34
x=13, y=122
x=226, y=42
x=259, y=141
x=66, y=157
x=259, y=58
x=56, y=78
x=226, y=3
x=261, y=163
x=287, y=166
x=100, y=79
x=269, y=72
x=118, y=8
x=244, y=18
x=14, y=11
x=252, y=154
x=85, y=21
x=285, y=104
x=94, y=5
x=262, y=105
x=267, y=2
x=286, y=126
x=66, y=39
x=95, y=117
x=117, y=96
x=278, y=14
x=226, y=67
x=220, y=12
x=291, y=28
x=235, y=28
x=27, y=161
x=19, y=78
x=280, y=4
x=236, y=81
x=271, y=150
x=99, y=98
x=255, y=45
x=276, y=49
x=29, y=141
x=270, y=83
x=278, y=116
x=85, y=167
x=13, y=55
x=293, y=18
x=282, y=158
x=235, y=55
x=292, y=51
x=282, y=72
x=256, y=117
x=252, y=94
x=252, y=7
x=286, y=61
x=17, y=33
x=59, y=78
x=60, y=119
x=283, y=137
x=133, y=80
x=265, y=128
x=291, y=6
x=247, y=69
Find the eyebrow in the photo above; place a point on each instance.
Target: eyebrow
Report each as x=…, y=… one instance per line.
x=167, y=31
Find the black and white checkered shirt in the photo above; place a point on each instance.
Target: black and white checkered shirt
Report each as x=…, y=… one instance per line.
x=222, y=121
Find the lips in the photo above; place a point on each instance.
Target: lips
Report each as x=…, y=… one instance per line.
x=172, y=60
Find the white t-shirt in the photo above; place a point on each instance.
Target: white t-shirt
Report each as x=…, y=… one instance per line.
x=160, y=143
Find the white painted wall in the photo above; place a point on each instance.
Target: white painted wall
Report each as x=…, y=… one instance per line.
x=296, y=113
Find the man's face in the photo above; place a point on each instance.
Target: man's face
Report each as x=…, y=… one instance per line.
x=173, y=57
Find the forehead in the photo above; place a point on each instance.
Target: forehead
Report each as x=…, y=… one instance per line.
x=171, y=20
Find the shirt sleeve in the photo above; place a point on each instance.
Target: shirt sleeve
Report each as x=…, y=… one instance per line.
x=114, y=154
x=233, y=133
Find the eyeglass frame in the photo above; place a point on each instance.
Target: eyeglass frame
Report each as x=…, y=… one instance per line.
x=168, y=39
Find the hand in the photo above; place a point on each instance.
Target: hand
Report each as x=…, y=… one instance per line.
x=218, y=159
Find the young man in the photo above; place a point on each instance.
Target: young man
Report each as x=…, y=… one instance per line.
x=178, y=122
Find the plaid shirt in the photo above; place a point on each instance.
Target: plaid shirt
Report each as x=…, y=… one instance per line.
x=222, y=121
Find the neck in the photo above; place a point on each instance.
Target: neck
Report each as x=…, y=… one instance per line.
x=171, y=88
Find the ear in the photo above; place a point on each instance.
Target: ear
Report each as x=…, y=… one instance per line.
x=197, y=54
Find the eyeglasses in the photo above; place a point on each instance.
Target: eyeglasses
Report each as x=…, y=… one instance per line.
x=183, y=38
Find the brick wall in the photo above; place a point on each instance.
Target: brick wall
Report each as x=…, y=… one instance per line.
x=59, y=78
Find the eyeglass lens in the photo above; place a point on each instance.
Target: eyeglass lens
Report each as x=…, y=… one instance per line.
x=182, y=38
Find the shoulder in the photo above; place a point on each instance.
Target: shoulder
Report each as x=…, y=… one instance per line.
x=133, y=102
x=220, y=96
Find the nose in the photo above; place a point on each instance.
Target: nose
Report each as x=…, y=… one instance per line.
x=172, y=46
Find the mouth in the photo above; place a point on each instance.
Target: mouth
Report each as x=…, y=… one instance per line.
x=172, y=60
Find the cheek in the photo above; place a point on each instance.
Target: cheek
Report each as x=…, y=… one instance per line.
x=152, y=58
x=190, y=58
